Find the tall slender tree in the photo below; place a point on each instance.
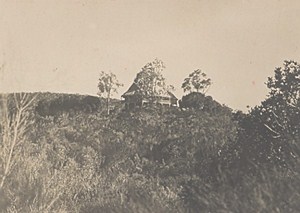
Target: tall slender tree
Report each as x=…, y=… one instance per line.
x=108, y=84
x=15, y=123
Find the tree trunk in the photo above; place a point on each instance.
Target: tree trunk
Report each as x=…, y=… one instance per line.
x=107, y=103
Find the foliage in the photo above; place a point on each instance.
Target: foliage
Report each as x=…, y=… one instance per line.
x=14, y=125
x=204, y=103
x=283, y=104
x=202, y=157
x=270, y=132
x=197, y=81
x=271, y=190
x=286, y=83
x=108, y=84
x=151, y=81
x=55, y=104
x=129, y=162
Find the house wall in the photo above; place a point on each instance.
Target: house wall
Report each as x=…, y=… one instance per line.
x=164, y=101
x=133, y=101
x=174, y=102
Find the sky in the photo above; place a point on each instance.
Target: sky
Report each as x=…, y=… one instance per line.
x=62, y=45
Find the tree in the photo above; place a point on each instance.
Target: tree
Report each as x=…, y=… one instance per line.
x=196, y=81
x=15, y=123
x=199, y=101
x=272, y=128
x=282, y=107
x=286, y=83
x=151, y=81
x=281, y=110
x=107, y=85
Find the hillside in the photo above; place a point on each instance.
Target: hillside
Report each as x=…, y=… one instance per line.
x=75, y=158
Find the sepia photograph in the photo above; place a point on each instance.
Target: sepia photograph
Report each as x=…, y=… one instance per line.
x=149, y=106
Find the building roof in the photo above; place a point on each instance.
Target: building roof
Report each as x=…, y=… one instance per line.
x=172, y=95
x=135, y=90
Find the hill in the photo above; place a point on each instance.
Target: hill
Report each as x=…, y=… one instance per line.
x=75, y=158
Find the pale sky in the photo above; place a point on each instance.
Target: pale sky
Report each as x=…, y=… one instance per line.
x=62, y=45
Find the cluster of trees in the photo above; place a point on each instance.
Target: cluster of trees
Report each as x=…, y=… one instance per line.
x=206, y=158
x=151, y=82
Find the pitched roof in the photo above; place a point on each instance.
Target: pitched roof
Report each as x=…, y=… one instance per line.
x=172, y=95
x=135, y=90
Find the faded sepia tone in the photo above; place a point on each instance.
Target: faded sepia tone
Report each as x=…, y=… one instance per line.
x=149, y=106
x=62, y=45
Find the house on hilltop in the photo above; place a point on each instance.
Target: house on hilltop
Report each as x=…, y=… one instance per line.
x=134, y=97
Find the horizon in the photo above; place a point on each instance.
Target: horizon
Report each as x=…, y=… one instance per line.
x=61, y=46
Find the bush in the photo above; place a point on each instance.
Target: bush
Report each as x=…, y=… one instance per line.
x=199, y=101
x=58, y=104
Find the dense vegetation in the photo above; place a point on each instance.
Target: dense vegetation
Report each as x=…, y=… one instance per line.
x=201, y=157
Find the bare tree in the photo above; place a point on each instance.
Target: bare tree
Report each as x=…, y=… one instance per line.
x=14, y=126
